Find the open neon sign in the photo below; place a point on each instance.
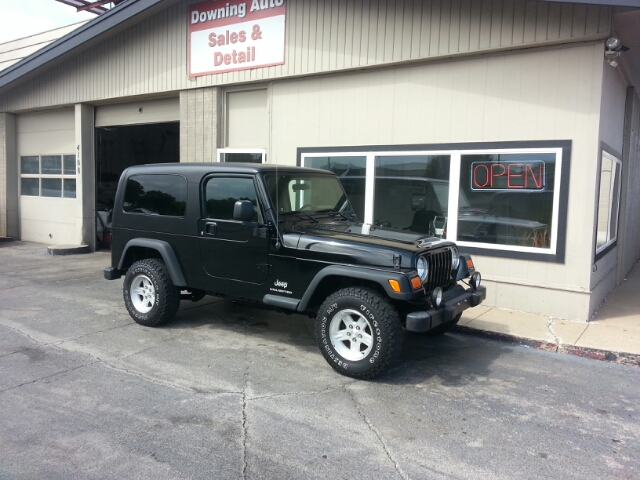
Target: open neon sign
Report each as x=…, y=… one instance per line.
x=522, y=175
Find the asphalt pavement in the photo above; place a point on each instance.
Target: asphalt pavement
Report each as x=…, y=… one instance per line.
x=225, y=391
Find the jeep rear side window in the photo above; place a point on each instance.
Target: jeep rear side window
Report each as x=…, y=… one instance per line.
x=221, y=194
x=156, y=195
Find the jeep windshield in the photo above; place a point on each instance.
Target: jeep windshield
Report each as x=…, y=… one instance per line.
x=309, y=195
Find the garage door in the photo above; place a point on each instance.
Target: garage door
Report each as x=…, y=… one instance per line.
x=136, y=113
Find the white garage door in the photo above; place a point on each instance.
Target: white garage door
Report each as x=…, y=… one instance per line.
x=48, y=203
x=136, y=113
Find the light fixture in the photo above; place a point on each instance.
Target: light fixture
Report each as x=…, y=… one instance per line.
x=614, y=48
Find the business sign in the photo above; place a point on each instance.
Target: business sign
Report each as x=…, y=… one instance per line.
x=225, y=36
x=523, y=175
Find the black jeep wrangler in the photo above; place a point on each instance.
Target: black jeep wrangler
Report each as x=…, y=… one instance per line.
x=284, y=238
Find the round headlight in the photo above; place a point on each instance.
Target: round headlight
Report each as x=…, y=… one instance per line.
x=455, y=258
x=423, y=268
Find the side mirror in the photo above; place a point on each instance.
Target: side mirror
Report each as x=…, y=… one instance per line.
x=243, y=210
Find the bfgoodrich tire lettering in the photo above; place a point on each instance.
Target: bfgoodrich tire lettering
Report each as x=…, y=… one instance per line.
x=149, y=295
x=358, y=332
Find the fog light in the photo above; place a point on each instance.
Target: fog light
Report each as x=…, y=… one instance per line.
x=475, y=280
x=436, y=297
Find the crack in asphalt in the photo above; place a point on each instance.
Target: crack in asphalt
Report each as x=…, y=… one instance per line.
x=366, y=420
x=244, y=403
x=48, y=376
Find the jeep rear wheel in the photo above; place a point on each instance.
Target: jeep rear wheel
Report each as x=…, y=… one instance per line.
x=149, y=295
x=358, y=332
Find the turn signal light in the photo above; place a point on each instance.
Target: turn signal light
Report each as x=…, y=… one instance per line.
x=395, y=286
x=416, y=283
x=469, y=263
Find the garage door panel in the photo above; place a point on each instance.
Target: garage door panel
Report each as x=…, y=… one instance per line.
x=134, y=113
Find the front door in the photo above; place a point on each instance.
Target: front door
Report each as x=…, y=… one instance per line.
x=233, y=253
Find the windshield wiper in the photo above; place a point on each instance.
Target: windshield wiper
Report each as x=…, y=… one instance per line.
x=334, y=211
x=298, y=212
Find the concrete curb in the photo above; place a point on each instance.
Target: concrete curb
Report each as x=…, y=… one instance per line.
x=67, y=249
x=621, y=358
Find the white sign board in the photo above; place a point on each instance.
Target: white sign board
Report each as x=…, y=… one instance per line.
x=235, y=35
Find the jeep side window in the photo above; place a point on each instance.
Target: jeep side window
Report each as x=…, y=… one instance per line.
x=156, y=195
x=221, y=194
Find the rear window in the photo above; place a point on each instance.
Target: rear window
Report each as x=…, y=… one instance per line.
x=156, y=195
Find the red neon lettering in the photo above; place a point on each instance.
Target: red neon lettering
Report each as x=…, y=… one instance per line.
x=539, y=183
x=511, y=175
x=475, y=176
x=493, y=175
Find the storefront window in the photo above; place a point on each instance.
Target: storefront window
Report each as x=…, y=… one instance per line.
x=411, y=192
x=50, y=176
x=507, y=199
x=608, y=202
x=494, y=199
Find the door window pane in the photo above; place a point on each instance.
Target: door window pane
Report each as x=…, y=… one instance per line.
x=221, y=194
x=30, y=187
x=51, y=187
x=608, y=201
x=69, y=164
x=51, y=165
x=411, y=192
x=30, y=165
x=69, y=188
x=507, y=199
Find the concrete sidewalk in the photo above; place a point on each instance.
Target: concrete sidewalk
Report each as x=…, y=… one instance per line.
x=612, y=335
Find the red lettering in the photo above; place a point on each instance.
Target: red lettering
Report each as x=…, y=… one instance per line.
x=217, y=59
x=221, y=40
x=227, y=59
x=475, y=176
x=212, y=39
x=539, y=182
x=494, y=175
x=242, y=36
x=234, y=37
x=510, y=175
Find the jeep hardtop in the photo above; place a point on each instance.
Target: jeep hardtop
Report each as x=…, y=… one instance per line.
x=284, y=238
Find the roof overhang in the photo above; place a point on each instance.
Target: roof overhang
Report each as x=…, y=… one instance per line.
x=106, y=25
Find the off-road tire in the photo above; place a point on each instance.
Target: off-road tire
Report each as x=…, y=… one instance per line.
x=369, y=315
x=149, y=295
x=442, y=328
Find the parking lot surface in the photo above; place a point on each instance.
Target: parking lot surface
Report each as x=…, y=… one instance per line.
x=228, y=391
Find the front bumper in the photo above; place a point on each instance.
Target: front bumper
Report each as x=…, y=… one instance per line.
x=454, y=303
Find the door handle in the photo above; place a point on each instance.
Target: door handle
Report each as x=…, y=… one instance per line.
x=210, y=228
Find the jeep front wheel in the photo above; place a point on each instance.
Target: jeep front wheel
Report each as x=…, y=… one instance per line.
x=149, y=295
x=358, y=332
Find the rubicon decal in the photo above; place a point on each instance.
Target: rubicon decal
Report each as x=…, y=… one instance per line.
x=235, y=35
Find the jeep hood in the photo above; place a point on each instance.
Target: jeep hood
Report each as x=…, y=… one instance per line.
x=356, y=243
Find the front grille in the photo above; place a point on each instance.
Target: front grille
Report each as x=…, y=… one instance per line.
x=439, y=269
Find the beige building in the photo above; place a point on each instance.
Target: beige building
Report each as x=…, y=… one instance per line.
x=509, y=126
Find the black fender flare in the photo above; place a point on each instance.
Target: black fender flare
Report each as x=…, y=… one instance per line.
x=165, y=251
x=381, y=277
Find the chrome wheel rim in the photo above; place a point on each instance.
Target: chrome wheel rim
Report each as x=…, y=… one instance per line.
x=351, y=335
x=142, y=294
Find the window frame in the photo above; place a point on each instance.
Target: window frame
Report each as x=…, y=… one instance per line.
x=261, y=151
x=561, y=148
x=62, y=176
x=612, y=240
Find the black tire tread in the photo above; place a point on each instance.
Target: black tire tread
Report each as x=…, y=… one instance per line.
x=169, y=295
x=388, y=319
